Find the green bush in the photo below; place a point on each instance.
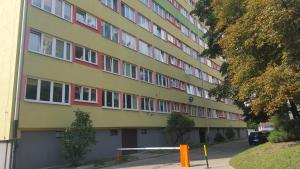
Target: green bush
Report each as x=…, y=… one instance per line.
x=78, y=137
x=219, y=138
x=229, y=133
x=278, y=136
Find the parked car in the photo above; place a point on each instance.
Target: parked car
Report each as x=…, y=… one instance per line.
x=258, y=137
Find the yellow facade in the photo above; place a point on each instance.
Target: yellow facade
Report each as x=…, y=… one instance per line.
x=9, y=33
x=41, y=116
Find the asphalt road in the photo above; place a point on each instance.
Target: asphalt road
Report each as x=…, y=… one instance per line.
x=218, y=157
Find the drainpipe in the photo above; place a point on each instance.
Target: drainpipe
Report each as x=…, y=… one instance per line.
x=23, y=10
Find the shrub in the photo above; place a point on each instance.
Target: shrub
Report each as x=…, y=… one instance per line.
x=278, y=136
x=229, y=133
x=219, y=138
x=78, y=137
x=179, y=125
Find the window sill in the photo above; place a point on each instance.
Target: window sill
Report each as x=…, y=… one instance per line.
x=112, y=108
x=46, y=102
x=83, y=101
x=50, y=56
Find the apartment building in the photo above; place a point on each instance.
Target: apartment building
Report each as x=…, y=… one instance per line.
x=129, y=63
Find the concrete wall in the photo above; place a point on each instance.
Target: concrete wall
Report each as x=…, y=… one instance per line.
x=39, y=149
x=106, y=145
x=153, y=137
x=5, y=147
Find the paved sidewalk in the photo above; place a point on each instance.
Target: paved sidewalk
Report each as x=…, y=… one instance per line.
x=219, y=156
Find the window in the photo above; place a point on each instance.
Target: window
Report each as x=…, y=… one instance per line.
x=145, y=2
x=110, y=99
x=127, y=12
x=147, y=104
x=111, y=4
x=193, y=36
x=129, y=102
x=204, y=76
x=158, y=9
x=159, y=32
x=57, y=7
x=47, y=91
x=143, y=22
x=48, y=45
x=177, y=23
x=206, y=94
x=162, y=80
x=199, y=91
x=113, y=132
x=182, y=86
x=169, y=17
x=175, y=83
x=176, y=107
x=85, y=94
x=160, y=55
x=109, y=31
x=184, y=108
x=128, y=41
x=145, y=48
x=170, y=38
x=192, y=110
x=86, y=19
x=201, y=112
x=129, y=70
x=190, y=89
x=173, y=60
x=143, y=131
x=86, y=54
x=110, y=64
x=185, y=30
x=163, y=106
x=146, y=75
x=186, y=49
x=194, y=54
x=184, y=12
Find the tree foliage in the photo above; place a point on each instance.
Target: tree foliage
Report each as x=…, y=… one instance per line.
x=260, y=39
x=179, y=125
x=78, y=137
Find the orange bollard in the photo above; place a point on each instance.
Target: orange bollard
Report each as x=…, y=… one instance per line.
x=184, y=155
x=118, y=156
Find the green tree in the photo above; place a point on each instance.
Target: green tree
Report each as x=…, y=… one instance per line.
x=260, y=39
x=78, y=137
x=179, y=125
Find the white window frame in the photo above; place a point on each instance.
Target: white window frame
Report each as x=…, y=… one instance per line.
x=128, y=12
x=111, y=4
x=160, y=78
x=112, y=30
x=143, y=22
x=111, y=60
x=165, y=106
x=175, y=107
x=145, y=72
x=130, y=70
x=90, y=94
x=87, y=16
x=127, y=39
x=53, y=49
x=38, y=94
x=112, y=97
x=142, y=50
x=131, y=98
x=89, y=55
x=149, y=100
x=64, y=3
